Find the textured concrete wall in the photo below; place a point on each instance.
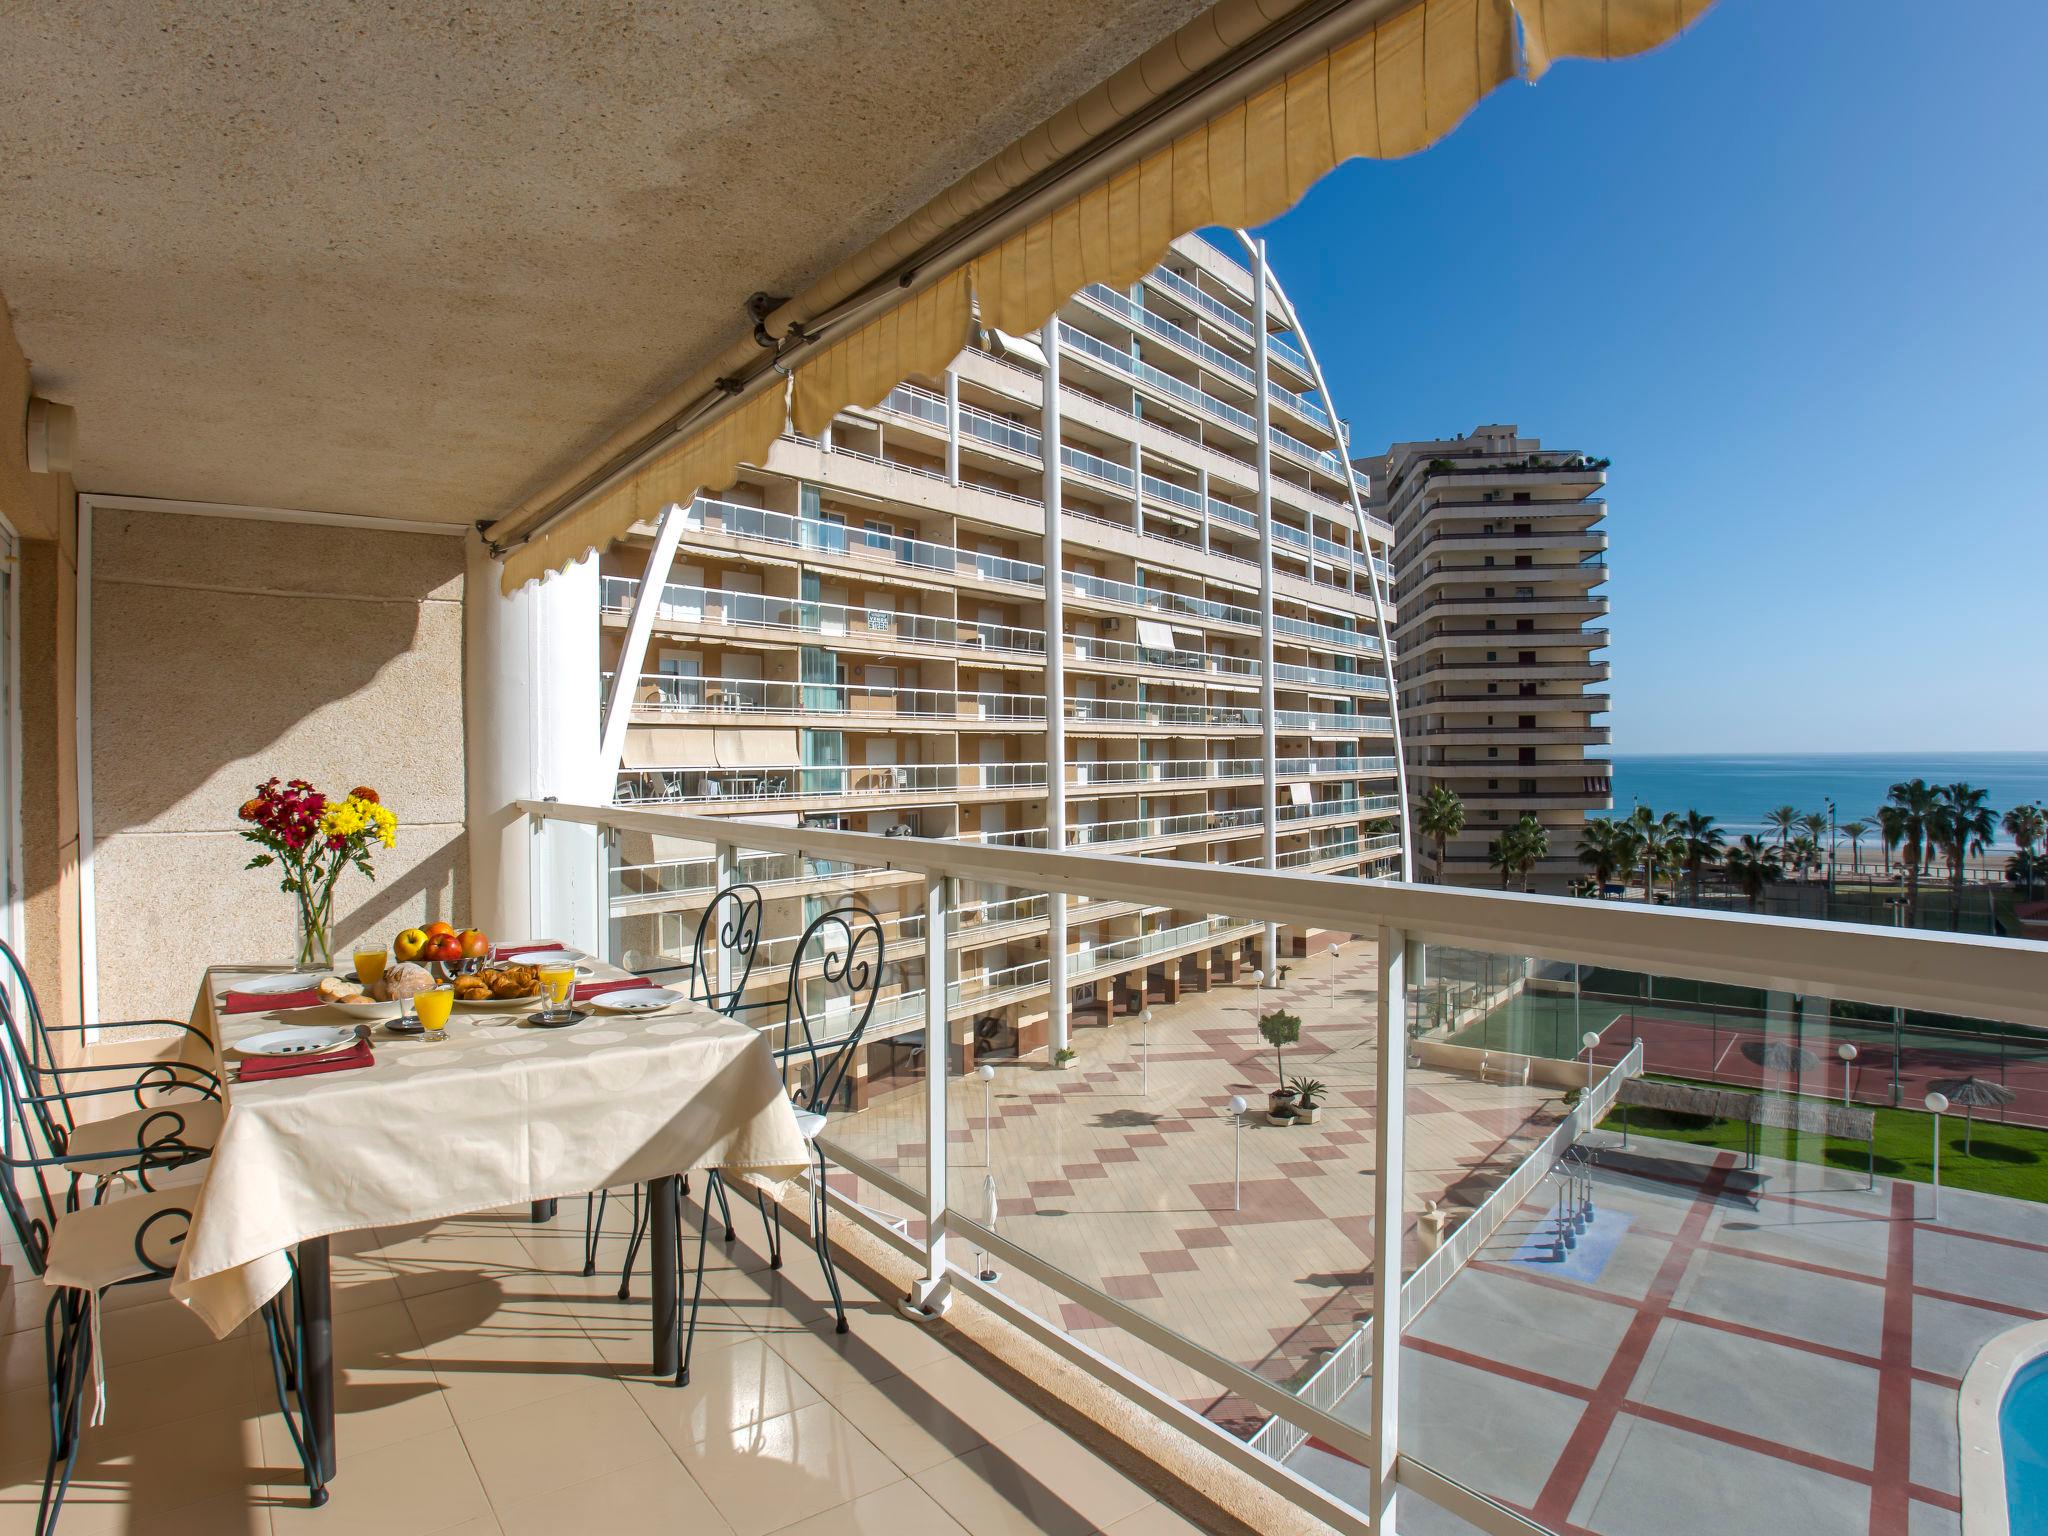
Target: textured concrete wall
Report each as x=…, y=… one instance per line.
x=43, y=512
x=226, y=651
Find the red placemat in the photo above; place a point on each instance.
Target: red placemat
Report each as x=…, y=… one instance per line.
x=532, y=946
x=261, y=1069
x=263, y=1002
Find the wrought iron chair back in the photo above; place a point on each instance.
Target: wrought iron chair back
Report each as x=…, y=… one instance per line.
x=19, y=1064
x=848, y=947
x=24, y=1144
x=29, y=1036
x=731, y=923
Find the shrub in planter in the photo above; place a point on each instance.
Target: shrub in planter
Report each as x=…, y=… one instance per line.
x=1309, y=1094
x=1281, y=1029
x=1064, y=1057
x=1281, y=1107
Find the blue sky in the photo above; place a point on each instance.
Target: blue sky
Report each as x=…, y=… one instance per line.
x=1788, y=273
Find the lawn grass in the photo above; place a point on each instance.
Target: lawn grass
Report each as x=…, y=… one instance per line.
x=2010, y=1160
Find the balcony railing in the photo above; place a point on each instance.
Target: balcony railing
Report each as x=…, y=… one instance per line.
x=650, y=786
x=927, y=1153
x=663, y=693
x=1135, y=314
x=708, y=607
x=1223, y=314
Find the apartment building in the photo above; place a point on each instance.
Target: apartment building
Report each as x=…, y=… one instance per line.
x=862, y=634
x=1499, y=556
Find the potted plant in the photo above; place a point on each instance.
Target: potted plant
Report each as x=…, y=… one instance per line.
x=1064, y=1056
x=1280, y=1029
x=1309, y=1093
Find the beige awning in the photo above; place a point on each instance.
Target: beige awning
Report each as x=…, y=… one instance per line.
x=766, y=748
x=1300, y=794
x=1023, y=351
x=1154, y=635
x=668, y=746
x=1374, y=80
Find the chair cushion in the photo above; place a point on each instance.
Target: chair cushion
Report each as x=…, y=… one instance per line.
x=95, y=1246
x=194, y=1122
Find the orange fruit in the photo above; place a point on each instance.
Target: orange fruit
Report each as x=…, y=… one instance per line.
x=439, y=927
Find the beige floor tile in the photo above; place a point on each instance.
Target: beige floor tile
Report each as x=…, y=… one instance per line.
x=1039, y=1480
x=244, y=1513
x=729, y=1390
x=652, y=1498
x=1155, y=1519
x=413, y=1488
x=877, y=1347
x=934, y=1413
x=787, y=1469
x=124, y=1480
x=543, y=1446
x=476, y=1525
x=492, y=1352
x=901, y=1509
x=385, y=1388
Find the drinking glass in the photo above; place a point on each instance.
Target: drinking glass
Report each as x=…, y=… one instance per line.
x=434, y=1006
x=557, y=982
x=370, y=967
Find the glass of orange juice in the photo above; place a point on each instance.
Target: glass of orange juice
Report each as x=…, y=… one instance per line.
x=370, y=967
x=433, y=1007
x=557, y=981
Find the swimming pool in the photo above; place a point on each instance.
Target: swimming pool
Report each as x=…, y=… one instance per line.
x=2023, y=1432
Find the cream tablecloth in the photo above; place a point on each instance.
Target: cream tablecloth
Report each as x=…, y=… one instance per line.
x=500, y=1113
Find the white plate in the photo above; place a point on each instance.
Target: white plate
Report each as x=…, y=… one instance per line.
x=549, y=958
x=270, y=986
x=636, y=1000
x=370, y=1010
x=298, y=1040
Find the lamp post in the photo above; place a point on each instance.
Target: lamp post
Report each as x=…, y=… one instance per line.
x=1936, y=1103
x=1832, y=840
x=988, y=1274
x=1898, y=906
x=1145, y=1052
x=1589, y=1039
x=1848, y=1054
x=1237, y=1109
x=1333, y=978
x=987, y=1074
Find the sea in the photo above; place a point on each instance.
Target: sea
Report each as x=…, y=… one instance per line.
x=1737, y=791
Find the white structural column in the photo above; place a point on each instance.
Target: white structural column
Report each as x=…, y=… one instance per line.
x=618, y=709
x=952, y=427
x=1390, y=1131
x=1052, y=554
x=929, y=1291
x=1379, y=604
x=1269, y=842
x=530, y=714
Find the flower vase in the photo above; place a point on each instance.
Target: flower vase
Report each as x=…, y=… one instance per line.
x=316, y=930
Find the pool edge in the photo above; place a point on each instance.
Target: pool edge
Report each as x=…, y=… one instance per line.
x=1977, y=1434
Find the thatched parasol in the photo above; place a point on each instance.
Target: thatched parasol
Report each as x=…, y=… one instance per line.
x=1973, y=1093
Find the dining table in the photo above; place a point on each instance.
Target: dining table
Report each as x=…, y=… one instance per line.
x=502, y=1110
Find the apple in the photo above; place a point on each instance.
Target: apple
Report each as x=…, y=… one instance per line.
x=442, y=947
x=474, y=945
x=407, y=945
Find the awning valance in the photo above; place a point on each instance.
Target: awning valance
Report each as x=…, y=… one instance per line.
x=764, y=748
x=1388, y=84
x=668, y=746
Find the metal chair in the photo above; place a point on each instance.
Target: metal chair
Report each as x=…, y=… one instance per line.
x=82, y=1249
x=178, y=1109
x=730, y=925
x=849, y=947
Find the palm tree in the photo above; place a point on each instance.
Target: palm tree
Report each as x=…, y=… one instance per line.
x=1855, y=831
x=1802, y=854
x=1751, y=867
x=1782, y=821
x=2025, y=868
x=2026, y=825
x=1657, y=836
x=1442, y=818
x=1917, y=804
x=1605, y=850
x=1815, y=825
x=1701, y=842
x=1891, y=827
x=1516, y=851
x=1964, y=825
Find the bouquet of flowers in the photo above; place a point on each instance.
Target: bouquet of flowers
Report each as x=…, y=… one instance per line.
x=312, y=839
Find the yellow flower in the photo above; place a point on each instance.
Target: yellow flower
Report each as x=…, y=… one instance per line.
x=357, y=817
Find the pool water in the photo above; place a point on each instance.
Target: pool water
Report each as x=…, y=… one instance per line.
x=2023, y=1429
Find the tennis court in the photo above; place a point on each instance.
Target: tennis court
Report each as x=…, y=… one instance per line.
x=1717, y=1044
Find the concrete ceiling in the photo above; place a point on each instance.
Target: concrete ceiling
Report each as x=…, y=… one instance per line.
x=418, y=261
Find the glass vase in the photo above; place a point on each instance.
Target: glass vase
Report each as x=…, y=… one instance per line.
x=316, y=929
